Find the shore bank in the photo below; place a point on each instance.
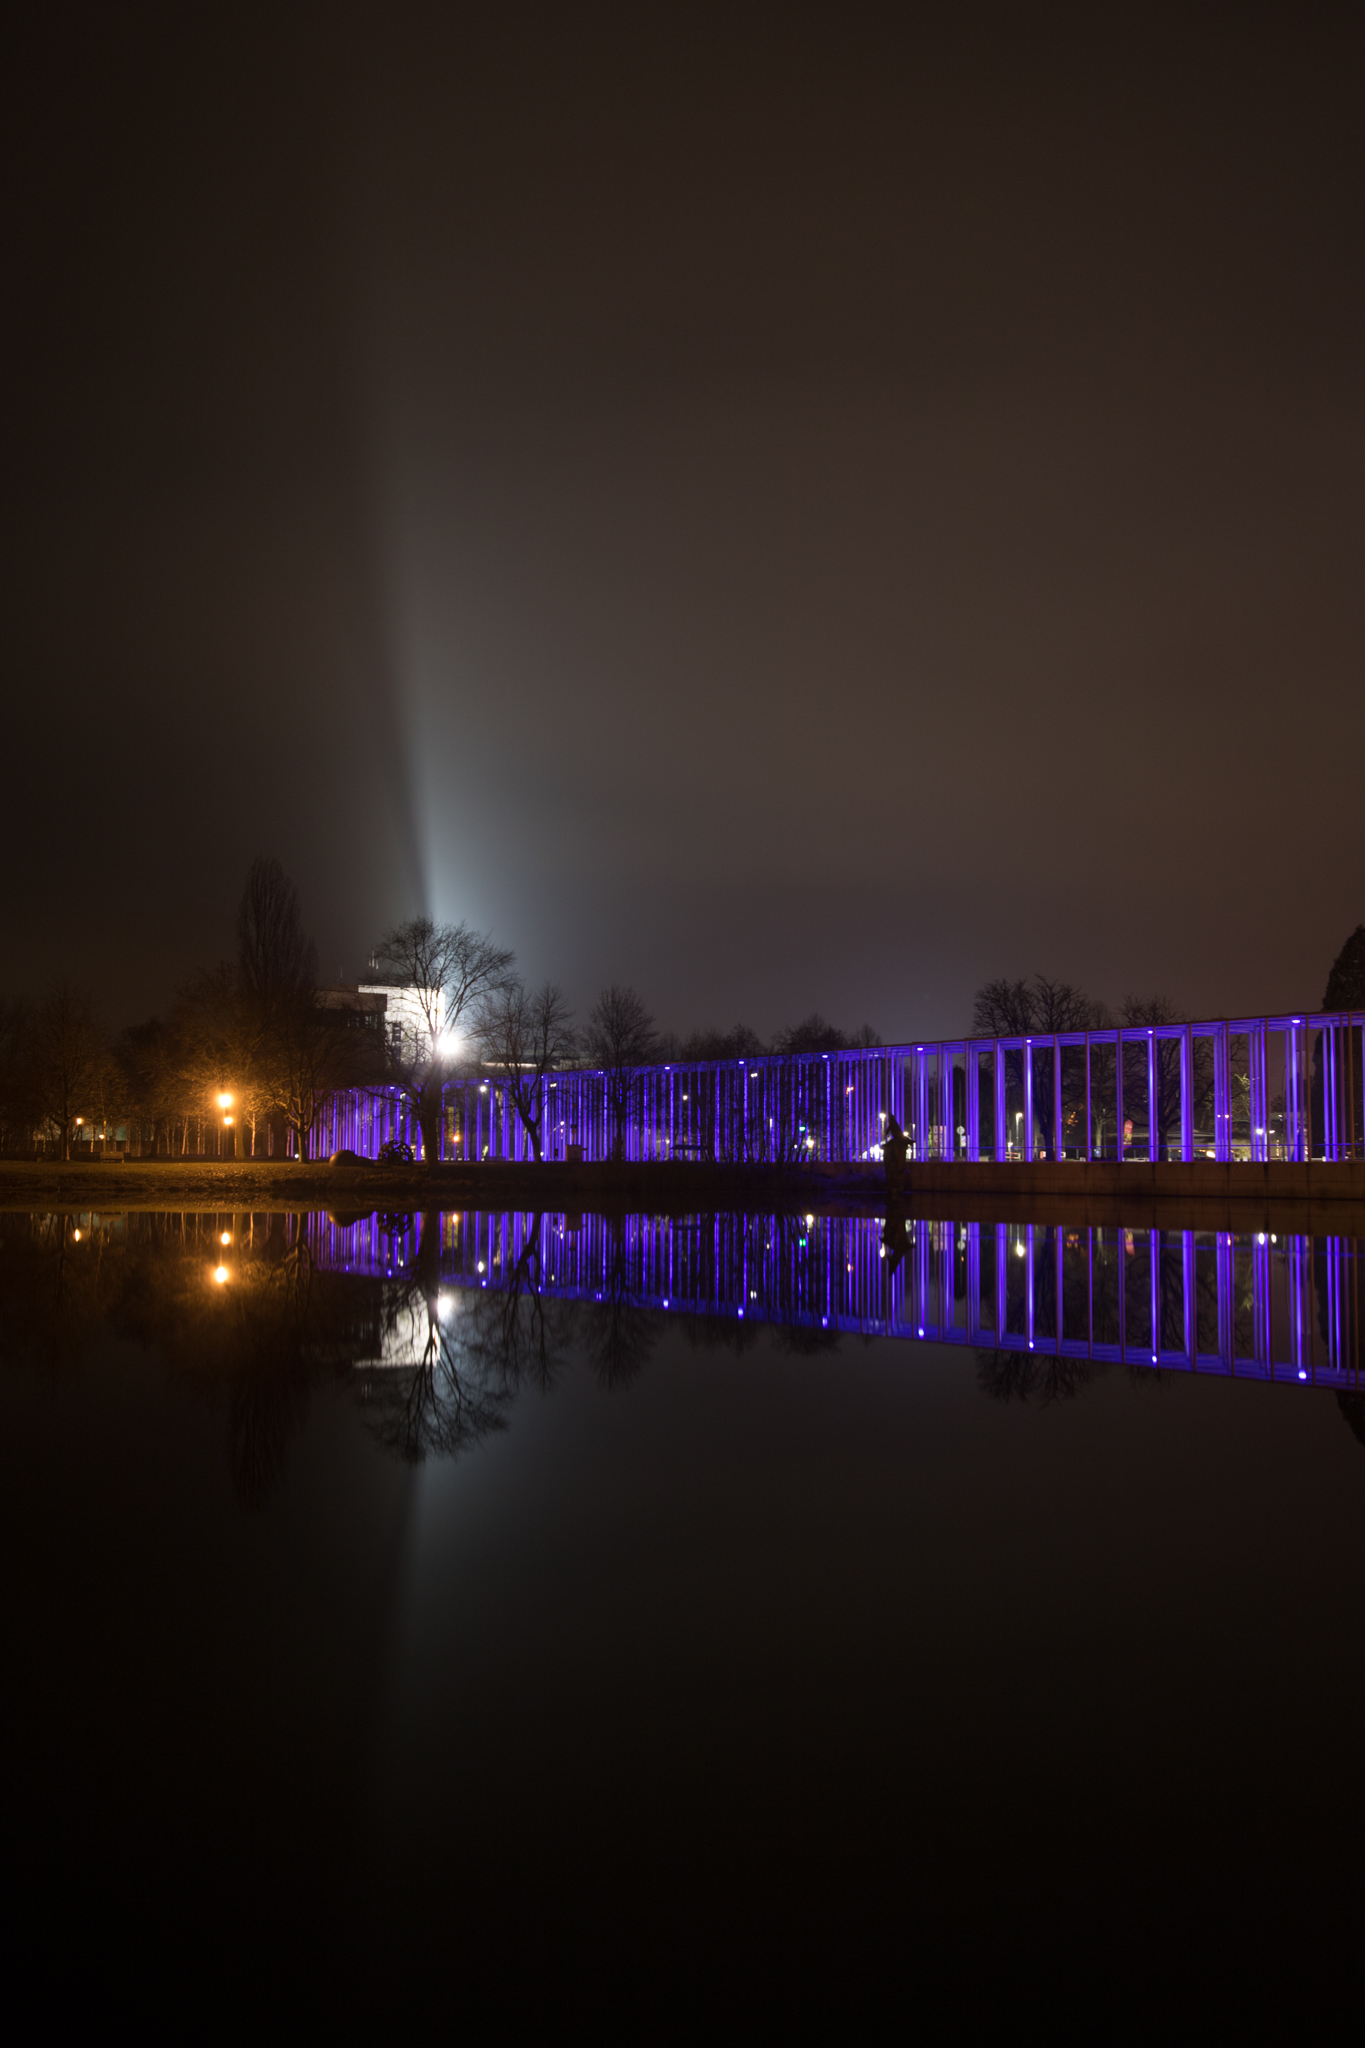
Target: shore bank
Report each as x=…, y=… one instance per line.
x=1316, y=1198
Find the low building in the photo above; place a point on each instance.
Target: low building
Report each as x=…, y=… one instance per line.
x=359, y=1009
x=407, y=1027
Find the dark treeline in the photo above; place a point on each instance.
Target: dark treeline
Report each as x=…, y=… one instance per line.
x=250, y=1049
x=238, y=1068
x=1037, y=1007
x=242, y=1063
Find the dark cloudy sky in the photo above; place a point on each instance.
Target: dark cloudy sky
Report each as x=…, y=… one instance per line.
x=787, y=509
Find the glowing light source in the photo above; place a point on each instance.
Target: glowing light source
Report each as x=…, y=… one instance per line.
x=226, y=1237
x=225, y=1101
x=220, y=1274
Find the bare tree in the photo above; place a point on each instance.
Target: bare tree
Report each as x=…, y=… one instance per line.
x=147, y=1060
x=524, y=1035
x=67, y=1059
x=1022, y=1009
x=813, y=1034
x=308, y=1058
x=229, y=1041
x=16, y=1093
x=275, y=957
x=738, y=1043
x=1036, y=1009
x=621, y=1037
x=450, y=969
x=1163, y=1114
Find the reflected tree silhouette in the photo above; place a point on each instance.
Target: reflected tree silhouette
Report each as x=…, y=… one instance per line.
x=436, y=1402
x=1035, y=1378
x=720, y=1333
x=437, y=1363
x=58, y=1286
x=264, y=1343
x=519, y=1333
x=1352, y=1406
x=618, y=1333
x=434, y=1406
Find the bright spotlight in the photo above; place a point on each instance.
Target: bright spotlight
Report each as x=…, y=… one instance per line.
x=220, y=1274
x=226, y=1237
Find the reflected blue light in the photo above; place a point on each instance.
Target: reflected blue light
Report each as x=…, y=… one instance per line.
x=1181, y=1300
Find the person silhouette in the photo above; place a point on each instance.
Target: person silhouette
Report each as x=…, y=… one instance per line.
x=894, y=1144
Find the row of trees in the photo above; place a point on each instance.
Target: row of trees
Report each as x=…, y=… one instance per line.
x=244, y=1058
x=251, y=1048
x=1038, y=1007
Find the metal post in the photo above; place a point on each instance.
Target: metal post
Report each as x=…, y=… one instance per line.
x=1089, y=1120
x=1000, y=1146
x=1153, y=1134
x=1028, y=1119
x=972, y=1068
x=1118, y=1101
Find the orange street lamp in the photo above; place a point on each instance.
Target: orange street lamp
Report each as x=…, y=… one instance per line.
x=220, y=1274
x=226, y=1237
x=225, y=1100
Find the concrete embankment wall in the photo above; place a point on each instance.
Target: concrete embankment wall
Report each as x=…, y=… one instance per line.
x=1104, y=1180
x=1314, y=1199
x=1203, y=1179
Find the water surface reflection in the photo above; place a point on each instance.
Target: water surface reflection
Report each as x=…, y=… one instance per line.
x=819, y=1667
x=437, y=1321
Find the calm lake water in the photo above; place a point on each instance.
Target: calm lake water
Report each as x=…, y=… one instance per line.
x=415, y=1618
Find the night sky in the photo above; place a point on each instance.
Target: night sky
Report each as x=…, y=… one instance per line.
x=782, y=509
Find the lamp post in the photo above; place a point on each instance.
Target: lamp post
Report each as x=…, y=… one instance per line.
x=225, y=1105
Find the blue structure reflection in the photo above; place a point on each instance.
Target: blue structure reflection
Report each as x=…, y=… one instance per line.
x=1259, y=1306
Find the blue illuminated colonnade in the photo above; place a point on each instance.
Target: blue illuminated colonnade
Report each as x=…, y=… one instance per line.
x=1257, y=1089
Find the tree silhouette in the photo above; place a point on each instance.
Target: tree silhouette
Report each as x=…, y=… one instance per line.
x=448, y=969
x=621, y=1036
